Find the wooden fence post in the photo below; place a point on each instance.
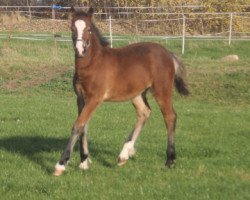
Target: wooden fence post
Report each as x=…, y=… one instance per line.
x=183, y=34
x=110, y=32
x=230, y=29
x=53, y=12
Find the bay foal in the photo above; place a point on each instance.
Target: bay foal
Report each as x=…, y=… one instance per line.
x=121, y=74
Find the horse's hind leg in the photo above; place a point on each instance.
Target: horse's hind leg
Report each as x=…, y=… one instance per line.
x=143, y=112
x=163, y=96
x=170, y=120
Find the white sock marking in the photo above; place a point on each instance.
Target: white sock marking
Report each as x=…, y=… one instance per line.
x=80, y=26
x=128, y=150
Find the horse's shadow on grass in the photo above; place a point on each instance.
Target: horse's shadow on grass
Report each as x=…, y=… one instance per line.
x=40, y=149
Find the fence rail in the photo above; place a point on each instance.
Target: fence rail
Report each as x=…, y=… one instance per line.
x=122, y=12
x=170, y=26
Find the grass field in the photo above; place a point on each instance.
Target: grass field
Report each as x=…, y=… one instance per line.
x=38, y=108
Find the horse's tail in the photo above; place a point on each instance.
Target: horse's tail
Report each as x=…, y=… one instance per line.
x=180, y=77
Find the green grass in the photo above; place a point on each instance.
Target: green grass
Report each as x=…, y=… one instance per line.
x=212, y=136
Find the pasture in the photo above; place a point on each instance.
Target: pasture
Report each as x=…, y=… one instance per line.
x=38, y=109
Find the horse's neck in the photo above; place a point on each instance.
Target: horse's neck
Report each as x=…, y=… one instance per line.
x=96, y=47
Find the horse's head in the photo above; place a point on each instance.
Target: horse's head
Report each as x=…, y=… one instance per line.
x=81, y=30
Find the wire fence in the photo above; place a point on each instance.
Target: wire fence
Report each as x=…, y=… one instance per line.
x=51, y=23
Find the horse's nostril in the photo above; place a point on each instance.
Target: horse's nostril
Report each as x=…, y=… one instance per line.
x=81, y=53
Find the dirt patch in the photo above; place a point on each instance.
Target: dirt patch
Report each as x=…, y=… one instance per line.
x=231, y=58
x=11, y=18
x=16, y=22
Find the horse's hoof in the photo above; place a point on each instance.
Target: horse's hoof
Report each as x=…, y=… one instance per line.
x=58, y=172
x=170, y=163
x=59, y=169
x=121, y=162
x=85, y=164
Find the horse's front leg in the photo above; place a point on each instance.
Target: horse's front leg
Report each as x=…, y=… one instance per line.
x=77, y=130
x=84, y=151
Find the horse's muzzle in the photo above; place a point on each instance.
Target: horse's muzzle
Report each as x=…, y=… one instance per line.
x=81, y=54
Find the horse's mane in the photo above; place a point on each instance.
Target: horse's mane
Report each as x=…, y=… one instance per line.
x=103, y=41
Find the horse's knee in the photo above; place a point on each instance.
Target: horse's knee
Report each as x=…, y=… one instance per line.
x=77, y=130
x=144, y=114
x=169, y=116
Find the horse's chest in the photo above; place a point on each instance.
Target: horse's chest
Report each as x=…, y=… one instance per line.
x=89, y=85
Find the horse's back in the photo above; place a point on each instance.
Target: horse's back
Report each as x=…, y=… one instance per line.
x=135, y=67
x=142, y=59
x=142, y=54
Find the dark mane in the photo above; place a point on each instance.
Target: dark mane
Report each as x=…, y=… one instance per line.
x=104, y=42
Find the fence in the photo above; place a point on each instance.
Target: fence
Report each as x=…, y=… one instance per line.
x=122, y=22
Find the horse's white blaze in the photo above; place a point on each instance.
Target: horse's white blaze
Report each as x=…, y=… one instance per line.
x=80, y=26
x=127, y=151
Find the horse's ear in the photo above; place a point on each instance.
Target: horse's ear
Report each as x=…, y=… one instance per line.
x=72, y=9
x=90, y=11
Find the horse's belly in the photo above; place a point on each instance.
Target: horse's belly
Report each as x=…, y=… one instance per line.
x=125, y=92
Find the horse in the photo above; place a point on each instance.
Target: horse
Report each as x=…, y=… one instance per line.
x=117, y=75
